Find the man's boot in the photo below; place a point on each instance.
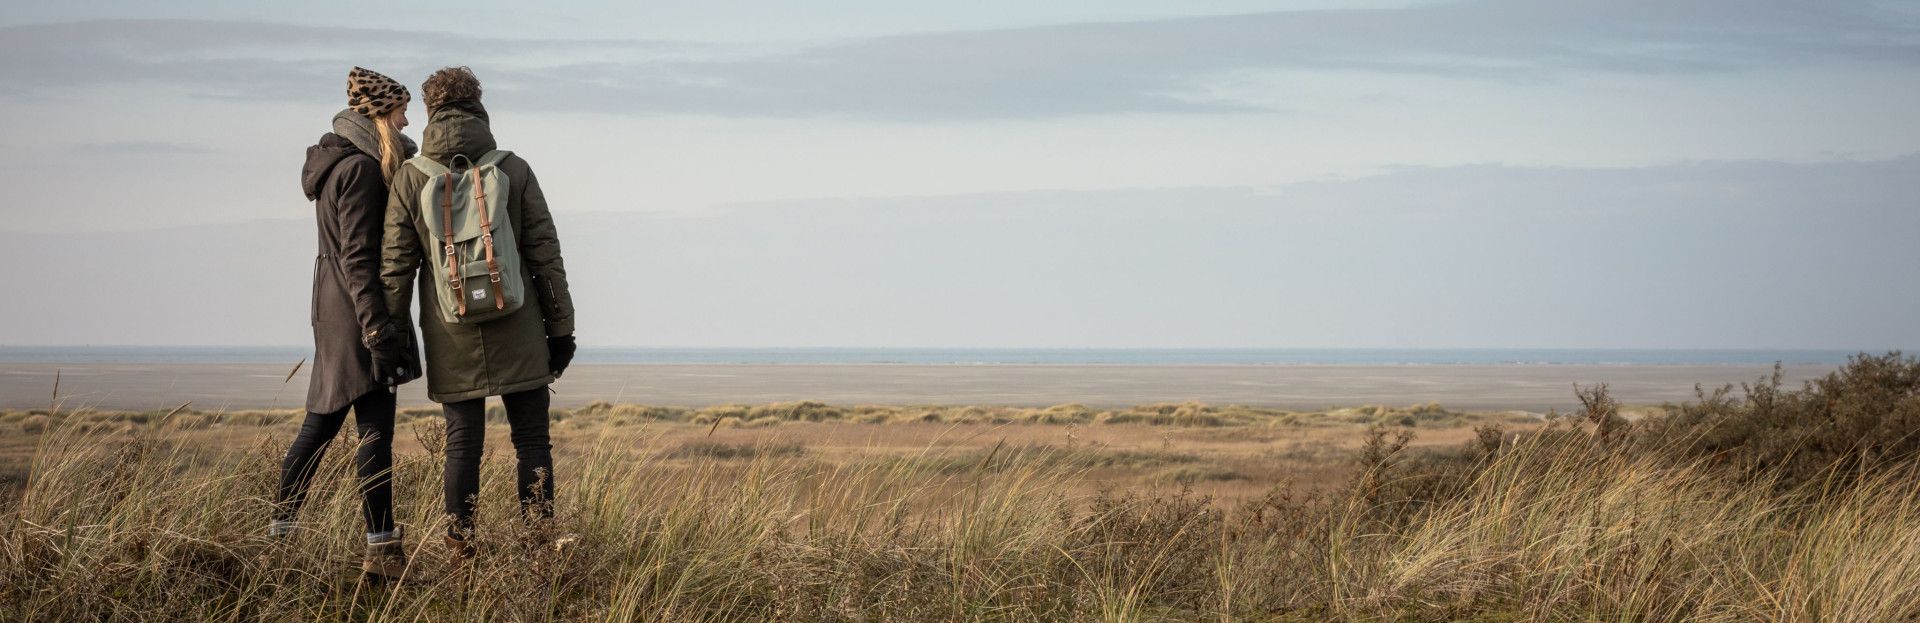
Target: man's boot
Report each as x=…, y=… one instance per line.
x=386, y=560
x=459, y=549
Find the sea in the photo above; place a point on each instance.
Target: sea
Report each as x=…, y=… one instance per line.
x=990, y=356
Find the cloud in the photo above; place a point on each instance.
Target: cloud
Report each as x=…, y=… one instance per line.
x=1159, y=66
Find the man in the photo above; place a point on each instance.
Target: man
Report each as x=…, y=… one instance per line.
x=514, y=356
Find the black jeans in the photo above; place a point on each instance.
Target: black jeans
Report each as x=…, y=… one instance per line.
x=373, y=415
x=466, y=437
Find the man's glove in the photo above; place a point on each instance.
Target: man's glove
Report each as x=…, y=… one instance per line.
x=559, y=353
x=388, y=343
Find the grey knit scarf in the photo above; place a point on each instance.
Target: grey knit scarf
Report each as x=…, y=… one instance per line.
x=359, y=130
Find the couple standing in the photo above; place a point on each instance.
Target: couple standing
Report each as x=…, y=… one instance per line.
x=469, y=221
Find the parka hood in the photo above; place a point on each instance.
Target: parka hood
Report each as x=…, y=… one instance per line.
x=320, y=160
x=457, y=128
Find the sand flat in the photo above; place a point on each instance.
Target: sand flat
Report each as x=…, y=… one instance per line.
x=1477, y=387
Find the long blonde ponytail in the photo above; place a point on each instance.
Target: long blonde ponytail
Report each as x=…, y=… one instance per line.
x=390, y=149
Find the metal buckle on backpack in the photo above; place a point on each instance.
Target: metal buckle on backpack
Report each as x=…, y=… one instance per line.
x=450, y=251
x=495, y=276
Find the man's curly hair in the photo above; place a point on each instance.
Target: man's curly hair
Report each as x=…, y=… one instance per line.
x=450, y=84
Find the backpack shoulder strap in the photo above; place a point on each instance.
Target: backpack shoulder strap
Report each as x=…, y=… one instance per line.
x=426, y=165
x=493, y=157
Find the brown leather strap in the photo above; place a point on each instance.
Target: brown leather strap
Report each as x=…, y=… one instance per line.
x=486, y=238
x=453, y=264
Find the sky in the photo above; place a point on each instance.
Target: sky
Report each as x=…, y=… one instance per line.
x=1123, y=173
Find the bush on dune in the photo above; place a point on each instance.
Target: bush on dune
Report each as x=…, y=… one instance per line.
x=1858, y=420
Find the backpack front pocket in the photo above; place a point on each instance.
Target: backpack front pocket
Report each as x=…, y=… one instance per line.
x=484, y=291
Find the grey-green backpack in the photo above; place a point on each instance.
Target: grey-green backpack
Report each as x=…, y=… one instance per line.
x=477, y=264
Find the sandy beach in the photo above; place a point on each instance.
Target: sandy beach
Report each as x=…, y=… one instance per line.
x=1478, y=387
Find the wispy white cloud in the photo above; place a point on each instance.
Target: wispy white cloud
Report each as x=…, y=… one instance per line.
x=1159, y=66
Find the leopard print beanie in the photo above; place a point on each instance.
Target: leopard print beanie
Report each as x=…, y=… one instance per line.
x=372, y=94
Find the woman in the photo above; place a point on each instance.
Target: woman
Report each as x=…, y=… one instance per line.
x=359, y=354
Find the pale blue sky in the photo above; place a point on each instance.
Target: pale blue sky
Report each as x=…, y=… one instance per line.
x=1495, y=173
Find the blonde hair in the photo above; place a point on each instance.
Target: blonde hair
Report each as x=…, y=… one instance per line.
x=390, y=150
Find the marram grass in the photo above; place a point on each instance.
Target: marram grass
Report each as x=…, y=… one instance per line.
x=137, y=524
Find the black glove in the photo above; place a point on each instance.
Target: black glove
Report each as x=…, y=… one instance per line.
x=389, y=347
x=559, y=353
x=388, y=369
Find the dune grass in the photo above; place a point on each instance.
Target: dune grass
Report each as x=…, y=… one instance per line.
x=1587, y=519
x=1549, y=528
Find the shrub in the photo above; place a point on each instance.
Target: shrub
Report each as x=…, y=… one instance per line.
x=33, y=424
x=708, y=448
x=1191, y=474
x=1858, y=420
x=709, y=415
x=189, y=421
x=1065, y=414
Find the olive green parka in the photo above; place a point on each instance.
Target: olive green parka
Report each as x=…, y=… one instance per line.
x=501, y=356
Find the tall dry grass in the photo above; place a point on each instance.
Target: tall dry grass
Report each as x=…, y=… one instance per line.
x=1574, y=523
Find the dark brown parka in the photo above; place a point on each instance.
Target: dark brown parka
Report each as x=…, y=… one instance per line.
x=501, y=356
x=350, y=203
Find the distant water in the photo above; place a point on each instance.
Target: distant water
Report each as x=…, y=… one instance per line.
x=976, y=356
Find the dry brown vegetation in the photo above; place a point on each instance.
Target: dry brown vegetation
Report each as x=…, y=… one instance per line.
x=1779, y=505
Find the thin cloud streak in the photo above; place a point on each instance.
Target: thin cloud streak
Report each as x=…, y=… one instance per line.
x=1161, y=66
